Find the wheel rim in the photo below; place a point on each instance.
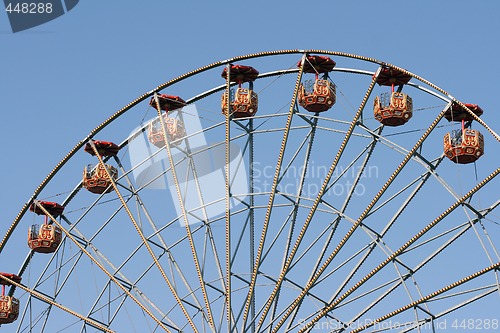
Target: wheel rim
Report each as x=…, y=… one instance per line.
x=199, y=289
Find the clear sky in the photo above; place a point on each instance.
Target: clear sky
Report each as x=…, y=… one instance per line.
x=61, y=79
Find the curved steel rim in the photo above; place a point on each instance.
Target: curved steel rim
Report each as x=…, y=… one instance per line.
x=148, y=94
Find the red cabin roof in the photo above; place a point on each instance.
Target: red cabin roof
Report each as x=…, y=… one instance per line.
x=457, y=113
x=389, y=76
x=240, y=73
x=317, y=64
x=53, y=208
x=11, y=276
x=105, y=148
x=168, y=102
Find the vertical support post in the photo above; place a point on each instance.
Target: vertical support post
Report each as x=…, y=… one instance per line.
x=228, y=201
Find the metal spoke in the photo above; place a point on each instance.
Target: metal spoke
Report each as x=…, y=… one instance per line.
x=159, y=236
x=430, y=296
x=143, y=238
x=390, y=223
x=318, y=198
x=83, y=250
x=290, y=272
x=51, y=302
x=183, y=210
x=463, y=229
x=368, y=152
x=295, y=210
x=405, y=246
x=252, y=215
x=364, y=214
x=205, y=216
x=273, y=192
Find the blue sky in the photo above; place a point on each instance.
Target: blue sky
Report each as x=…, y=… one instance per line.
x=60, y=80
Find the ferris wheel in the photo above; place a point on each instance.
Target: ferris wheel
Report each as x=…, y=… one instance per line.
x=284, y=191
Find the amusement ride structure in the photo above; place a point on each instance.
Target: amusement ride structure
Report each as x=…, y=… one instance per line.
x=304, y=190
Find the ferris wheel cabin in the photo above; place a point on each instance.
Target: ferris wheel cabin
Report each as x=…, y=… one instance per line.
x=317, y=95
x=45, y=238
x=9, y=305
x=393, y=108
x=104, y=148
x=243, y=102
x=96, y=179
x=464, y=145
x=458, y=113
x=174, y=128
x=167, y=102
